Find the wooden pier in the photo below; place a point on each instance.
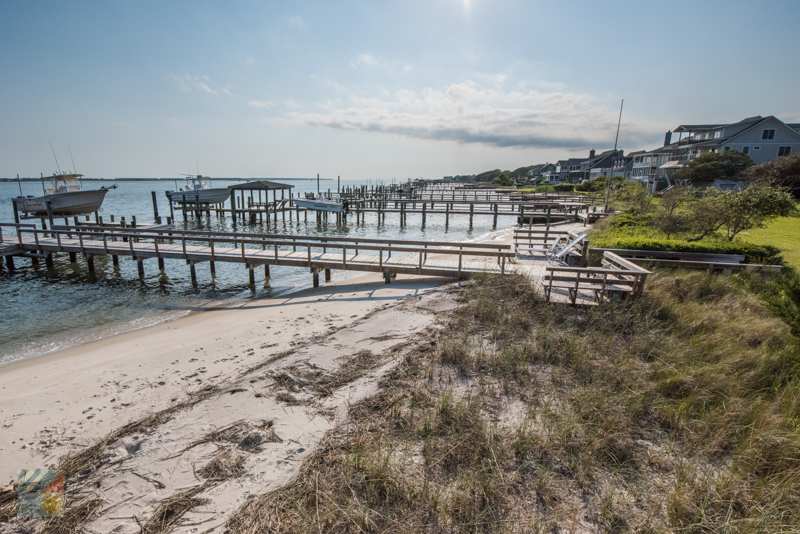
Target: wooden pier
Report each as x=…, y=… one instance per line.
x=389, y=257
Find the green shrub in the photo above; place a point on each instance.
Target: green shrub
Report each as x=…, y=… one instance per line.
x=564, y=187
x=545, y=189
x=753, y=253
x=624, y=220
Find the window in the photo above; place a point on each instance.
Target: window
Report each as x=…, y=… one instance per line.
x=768, y=134
x=745, y=150
x=756, y=148
x=717, y=134
x=784, y=151
x=727, y=148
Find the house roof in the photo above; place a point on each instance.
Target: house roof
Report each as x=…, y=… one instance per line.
x=259, y=185
x=697, y=127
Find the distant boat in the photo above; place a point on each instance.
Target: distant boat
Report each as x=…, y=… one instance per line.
x=198, y=191
x=66, y=197
x=334, y=204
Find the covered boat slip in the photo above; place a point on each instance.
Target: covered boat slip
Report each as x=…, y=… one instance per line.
x=390, y=257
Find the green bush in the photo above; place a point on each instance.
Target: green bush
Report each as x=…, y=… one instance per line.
x=545, y=189
x=564, y=187
x=753, y=253
x=624, y=220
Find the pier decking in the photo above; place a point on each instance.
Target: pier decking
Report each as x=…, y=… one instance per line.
x=390, y=257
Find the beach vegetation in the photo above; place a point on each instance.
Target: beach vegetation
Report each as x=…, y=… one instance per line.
x=729, y=164
x=674, y=412
x=783, y=172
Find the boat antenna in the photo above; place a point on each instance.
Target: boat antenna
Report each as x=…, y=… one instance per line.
x=608, y=178
x=19, y=183
x=197, y=166
x=54, y=157
x=73, y=164
x=317, y=184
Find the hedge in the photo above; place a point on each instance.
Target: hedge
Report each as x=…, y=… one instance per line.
x=753, y=253
x=564, y=187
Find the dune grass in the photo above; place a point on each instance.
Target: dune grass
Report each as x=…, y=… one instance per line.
x=677, y=412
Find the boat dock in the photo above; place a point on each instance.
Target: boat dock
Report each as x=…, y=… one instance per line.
x=387, y=256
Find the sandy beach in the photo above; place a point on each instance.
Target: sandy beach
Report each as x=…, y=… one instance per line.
x=234, y=361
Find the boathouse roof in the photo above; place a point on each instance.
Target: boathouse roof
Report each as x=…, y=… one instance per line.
x=259, y=185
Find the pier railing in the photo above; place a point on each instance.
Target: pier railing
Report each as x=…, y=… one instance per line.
x=144, y=243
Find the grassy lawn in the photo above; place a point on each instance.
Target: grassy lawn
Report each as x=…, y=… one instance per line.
x=783, y=233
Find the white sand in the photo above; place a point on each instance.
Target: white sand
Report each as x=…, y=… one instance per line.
x=65, y=401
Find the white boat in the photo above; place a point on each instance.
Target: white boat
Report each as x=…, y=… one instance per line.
x=66, y=197
x=198, y=191
x=335, y=204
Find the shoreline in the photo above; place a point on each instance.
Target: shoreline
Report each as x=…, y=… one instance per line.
x=112, y=330
x=62, y=401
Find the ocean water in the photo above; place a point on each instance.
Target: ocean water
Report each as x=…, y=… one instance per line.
x=46, y=310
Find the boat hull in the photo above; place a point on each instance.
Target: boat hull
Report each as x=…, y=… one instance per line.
x=201, y=196
x=319, y=205
x=69, y=203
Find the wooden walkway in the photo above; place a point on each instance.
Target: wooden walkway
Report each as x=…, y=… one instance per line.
x=390, y=257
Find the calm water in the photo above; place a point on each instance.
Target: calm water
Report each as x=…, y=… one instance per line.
x=45, y=310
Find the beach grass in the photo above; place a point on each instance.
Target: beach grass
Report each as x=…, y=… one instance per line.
x=674, y=412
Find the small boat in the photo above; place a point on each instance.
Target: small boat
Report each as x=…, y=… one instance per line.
x=334, y=204
x=66, y=197
x=198, y=191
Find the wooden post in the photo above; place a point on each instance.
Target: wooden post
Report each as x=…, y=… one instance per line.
x=73, y=257
x=90, y=262
x=252, y=274
x=10, y=263
x=423, y=213
x=266, y=271
x=387, y=277
x=233, y=205
x=447, y=214
x=115, y=260
x=471, y=211
x=48, y=260
x=155, y=206
x=160, y=264
x=495, y=216
x=212, y=267
x=140, y=266
x=193, y=273
x=315, y=275
x=327, y=275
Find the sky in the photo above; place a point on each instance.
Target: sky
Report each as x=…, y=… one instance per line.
x=376, y=89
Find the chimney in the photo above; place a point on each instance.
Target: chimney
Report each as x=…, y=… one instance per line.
x=591, y=153
x=668, y=138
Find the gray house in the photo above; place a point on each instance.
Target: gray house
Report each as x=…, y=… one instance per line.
x=762, y=138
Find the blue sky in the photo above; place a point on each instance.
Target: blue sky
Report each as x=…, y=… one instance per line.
x=376, y=89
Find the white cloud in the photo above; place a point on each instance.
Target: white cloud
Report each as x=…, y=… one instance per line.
x=190, y=83
x=260, y=104
x=368, y=59
x=468, y=112
x=249, y=62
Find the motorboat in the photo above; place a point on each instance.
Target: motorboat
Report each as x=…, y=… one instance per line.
x=333, y=204
x=198, y=191
x=66, y=197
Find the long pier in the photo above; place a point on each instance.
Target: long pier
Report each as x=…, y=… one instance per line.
x=387, y=256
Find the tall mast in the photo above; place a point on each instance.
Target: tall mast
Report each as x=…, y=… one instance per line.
x=608, y=178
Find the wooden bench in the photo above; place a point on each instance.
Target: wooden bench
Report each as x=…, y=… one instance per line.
x=617, y=276
x=686, y=260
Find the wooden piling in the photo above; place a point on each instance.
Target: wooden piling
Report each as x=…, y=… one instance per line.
x=315, y=276
x=327, y=275
x=193, y=274
x=90, y=262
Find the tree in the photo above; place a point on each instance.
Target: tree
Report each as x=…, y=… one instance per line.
x=754, y=206
x=713, y=166
x=670, y=219
x=738, y=211
x=782, y=172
